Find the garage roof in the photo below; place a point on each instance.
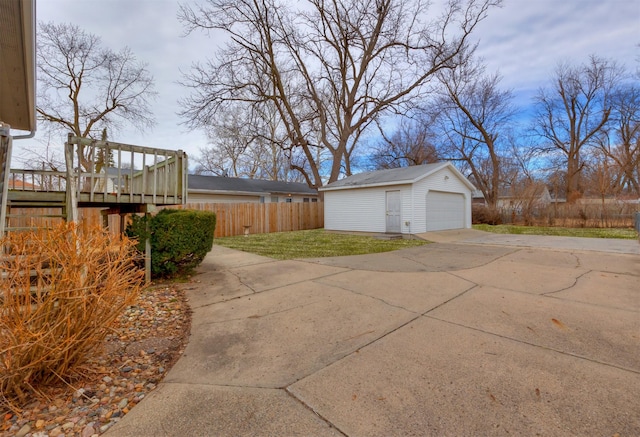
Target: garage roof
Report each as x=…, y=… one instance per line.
x=221, y=184
x=394, y=176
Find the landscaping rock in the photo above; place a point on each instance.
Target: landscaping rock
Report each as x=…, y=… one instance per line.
x=158, y=326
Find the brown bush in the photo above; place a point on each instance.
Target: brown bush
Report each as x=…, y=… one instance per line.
x=581, y=215
x=481, y=214
x=60, y=290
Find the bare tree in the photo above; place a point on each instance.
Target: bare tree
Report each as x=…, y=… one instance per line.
x=330, y=68
x=412, y=143
x=573, y=113
x=216, y=160
x=520, y=162
x=245, y=143
x=602, y=177
x=526, y=197
x=230, y=138
x=474, y=113
x=622, y=145
x=85, y=88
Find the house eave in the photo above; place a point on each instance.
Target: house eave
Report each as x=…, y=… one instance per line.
x=18, y=49
x=378, y=184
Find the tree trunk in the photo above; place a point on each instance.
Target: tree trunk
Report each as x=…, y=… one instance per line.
x=573, y=178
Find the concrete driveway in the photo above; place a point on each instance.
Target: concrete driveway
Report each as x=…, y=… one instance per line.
x=470, y=336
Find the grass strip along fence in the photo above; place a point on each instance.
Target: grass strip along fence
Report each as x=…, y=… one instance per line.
x=622, y=233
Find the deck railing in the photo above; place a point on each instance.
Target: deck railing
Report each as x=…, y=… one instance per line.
x=128, y=173
x=127, y=177
x=27, y=180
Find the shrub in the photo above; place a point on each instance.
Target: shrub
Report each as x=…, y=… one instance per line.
x=483, y=215
x=180, y=239
x=60, y=291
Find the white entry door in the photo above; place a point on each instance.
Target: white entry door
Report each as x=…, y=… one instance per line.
x=393, y=212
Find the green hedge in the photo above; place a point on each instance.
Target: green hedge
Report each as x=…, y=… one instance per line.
x=180, y=239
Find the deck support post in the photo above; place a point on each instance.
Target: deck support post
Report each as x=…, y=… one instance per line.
x=148, y=209
x=5, y=164
x=147, y=249
x=123, y=222
x=72, y=183
x=105, y=218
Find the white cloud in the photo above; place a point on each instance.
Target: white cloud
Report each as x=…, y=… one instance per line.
x=150, y=28
x=524, y=40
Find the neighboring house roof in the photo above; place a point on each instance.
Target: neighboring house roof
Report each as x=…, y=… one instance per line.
x=532, y=191
x=477, y=194
x=18, y=184
x=394, y=176
x=221, y=184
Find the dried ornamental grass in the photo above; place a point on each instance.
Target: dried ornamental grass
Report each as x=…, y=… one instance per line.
x=60, y=290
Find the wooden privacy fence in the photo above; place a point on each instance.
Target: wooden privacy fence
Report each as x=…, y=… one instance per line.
x=262, y=218
x=232, y=218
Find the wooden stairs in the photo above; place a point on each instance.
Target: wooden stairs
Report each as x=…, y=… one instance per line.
x=39, y=214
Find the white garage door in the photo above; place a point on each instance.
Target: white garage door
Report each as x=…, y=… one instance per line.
x=444, y=211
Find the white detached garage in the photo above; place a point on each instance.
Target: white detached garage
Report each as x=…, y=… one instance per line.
x=408, y=200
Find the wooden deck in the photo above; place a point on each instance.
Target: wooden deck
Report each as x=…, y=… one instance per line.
x=133, y=179
x=113, y=177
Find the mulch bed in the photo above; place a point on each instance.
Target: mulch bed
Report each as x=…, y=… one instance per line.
x=145, y=342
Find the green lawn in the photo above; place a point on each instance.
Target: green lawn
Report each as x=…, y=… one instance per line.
x=624, y=233
x=318, y=243
x=312, y=244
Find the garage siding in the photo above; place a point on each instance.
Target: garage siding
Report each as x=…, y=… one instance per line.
x=362, y=209
x=443, y=181
x=407, y=209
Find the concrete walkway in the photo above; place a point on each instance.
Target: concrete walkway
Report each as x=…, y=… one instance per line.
x=473, y=335
x=472, y=236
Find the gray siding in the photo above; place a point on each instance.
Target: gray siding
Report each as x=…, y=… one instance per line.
x=221, y=198
x=240, y=198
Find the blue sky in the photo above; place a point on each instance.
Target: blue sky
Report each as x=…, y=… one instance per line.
x=524, y=41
